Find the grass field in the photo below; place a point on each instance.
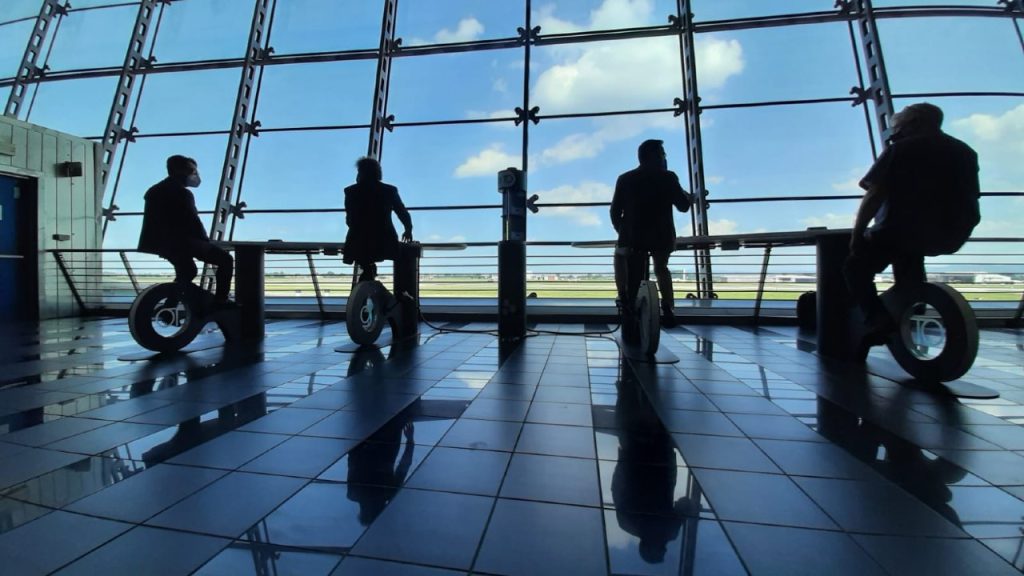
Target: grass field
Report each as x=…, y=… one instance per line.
x=467, y=287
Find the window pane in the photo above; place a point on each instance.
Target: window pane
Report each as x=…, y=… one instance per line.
x=952, y=54
x=13, y=40
x=331, y=93
x=729, y=9
x=123, y=232
x=146, y=164
x=326, y=25
x=92, y=38
x=774, y=64
x=302, y=169
x=489, y=82
x=579, y=160
x=782, y=151
x=563, y=16
x=606, y=76
x=446, y=21
x=292, y=228
x=188, y=101
x=78, y=107
x=15, y=9
x=462, y=170
x=994, y=127
x=194, y=30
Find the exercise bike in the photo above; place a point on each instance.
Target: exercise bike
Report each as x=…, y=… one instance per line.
x=638, y=309
x=371, y=305
x=167, y=317
x=936, y=335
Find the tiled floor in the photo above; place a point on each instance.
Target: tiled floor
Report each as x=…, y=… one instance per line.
x=454, y=456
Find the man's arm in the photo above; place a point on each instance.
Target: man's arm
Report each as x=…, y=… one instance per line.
x=403, y=216
x=680, y=199
x=616, y=209
x=192, y=215
x=876, y=185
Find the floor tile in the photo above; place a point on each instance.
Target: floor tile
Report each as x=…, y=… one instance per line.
x=482, y=434
x=934, y=556
x=562, y=394
x=775, y=427
x=174, y=414
x=54, y=540
x=105, y=438
x=999, y=468
x=243, y=557
x=149, y=551
x=722, y=452
x=348, y=424
x=229, y=451
x=324, y=516
x=355, y=566
x=645, y=488
x=746, y=405
x=147, y=493
x=554, y=440
x=876, y=508
x=560, y=413
x=771, y=550
x=230, y=505
x=1008, y=437
x=699, y=422
x=761, y=498
x=300, y=456
x=552, y=479
x=464, y=471
x=815, y=459
x=53, y=431
x=449, y=539
x=986, y=511
x=286, y=421
x=33, y=462
x=497, y=409
x=538, y=538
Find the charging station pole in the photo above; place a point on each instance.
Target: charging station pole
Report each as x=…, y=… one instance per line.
x=512, y=254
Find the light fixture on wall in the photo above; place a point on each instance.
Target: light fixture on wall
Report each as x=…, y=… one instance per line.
x=69, y=169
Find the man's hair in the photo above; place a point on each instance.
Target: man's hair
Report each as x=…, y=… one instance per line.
x=924, y=113
x=368, y=169
x=178, y=163
x=650, y=151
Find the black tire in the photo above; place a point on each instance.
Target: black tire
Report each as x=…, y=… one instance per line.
x=961, y=333
x=807, y=311
x=648, y=317
x=366, y=312
x=147, y=309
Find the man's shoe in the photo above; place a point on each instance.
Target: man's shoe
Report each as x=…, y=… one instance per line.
x=878, y=328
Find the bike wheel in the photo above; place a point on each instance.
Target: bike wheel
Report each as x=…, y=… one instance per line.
x=166, y=317
x=366, y=312
x=937, y=339
x=648, y=317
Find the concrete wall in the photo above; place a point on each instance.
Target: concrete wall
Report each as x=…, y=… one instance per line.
x=67, y=206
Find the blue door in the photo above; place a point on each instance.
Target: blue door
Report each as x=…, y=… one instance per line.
x=12, y=255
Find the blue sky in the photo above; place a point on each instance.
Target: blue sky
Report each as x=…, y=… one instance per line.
x=786, y=150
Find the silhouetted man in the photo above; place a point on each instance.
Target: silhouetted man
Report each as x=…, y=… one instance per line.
x=642, y=215
x=371, y=234
x=923, y=195
x=172, y=230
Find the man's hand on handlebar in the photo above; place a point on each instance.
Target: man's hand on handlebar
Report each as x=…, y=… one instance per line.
x=857, y=241
x=407, y=235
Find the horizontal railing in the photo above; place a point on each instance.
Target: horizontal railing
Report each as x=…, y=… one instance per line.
x=988, y=271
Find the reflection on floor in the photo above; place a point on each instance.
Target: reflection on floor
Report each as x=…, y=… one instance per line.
x=451, y=455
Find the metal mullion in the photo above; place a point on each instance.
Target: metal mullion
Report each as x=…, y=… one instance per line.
x=30, y=59
x=874, y=62
x=379, y=122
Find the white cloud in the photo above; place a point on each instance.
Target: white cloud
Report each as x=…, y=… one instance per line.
x=829, y=220
x=587, y=191
x=501, y=85
x=487, y=163
x=582, y=145
x=715, y=180
x=723, y=226
x=468, y=29
x=999, y=141
x=851, y=185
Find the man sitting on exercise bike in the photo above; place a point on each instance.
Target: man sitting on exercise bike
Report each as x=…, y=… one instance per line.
x=172, y=230
x=923, y=195
x=371, y=234
x=641, y=213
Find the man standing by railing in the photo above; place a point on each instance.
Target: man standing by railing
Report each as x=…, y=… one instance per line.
x=641, y=213
x=923, y=195
x=172, y=230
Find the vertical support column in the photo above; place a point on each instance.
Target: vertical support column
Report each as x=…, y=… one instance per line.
x=316, y=284
x=130, y=272
x=690, y=105
x=249, y=290
x=512, y=256
x=407, y=289
x=241, y=127
x=760, y=283
x=379, y=119
x=115, y=132
x=874, y=62
x=833, y=311
x=29, y=68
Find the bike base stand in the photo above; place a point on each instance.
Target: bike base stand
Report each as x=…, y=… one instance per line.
x=195, y=346
x=635, y=353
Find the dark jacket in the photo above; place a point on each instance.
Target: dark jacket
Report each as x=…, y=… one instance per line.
x=932, y=190
x=170, y=219
x=642, y=208
x=371, y=233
